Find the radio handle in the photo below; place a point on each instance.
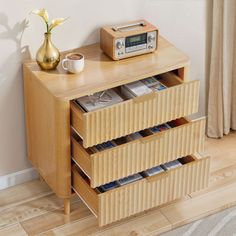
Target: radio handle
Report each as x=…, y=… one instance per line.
x=141, y=23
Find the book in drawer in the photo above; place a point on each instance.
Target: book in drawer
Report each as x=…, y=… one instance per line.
x=143, y=194
x=141, y=154
x=178, y=100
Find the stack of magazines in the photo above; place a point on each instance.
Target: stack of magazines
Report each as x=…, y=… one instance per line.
x=139, y=88
x=154, y=84
x=135, y=89
x=99, y=100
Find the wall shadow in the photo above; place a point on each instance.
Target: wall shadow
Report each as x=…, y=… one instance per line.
x=14, y=34
x=12, y=128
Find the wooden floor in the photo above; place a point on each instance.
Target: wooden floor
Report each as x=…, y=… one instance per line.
x=32, y=209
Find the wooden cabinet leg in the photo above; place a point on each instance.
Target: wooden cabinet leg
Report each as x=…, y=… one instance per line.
x=67, y=206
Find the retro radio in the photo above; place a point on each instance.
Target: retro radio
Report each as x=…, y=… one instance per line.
x=128, y=40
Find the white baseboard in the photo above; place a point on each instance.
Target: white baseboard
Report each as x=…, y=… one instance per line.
x=19, y=177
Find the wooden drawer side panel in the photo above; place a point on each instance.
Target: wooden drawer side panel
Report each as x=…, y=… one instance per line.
x=77, y=119
x=132, y=116
x=85, y=193
x=137, y=156
x=81, y=157
x=144, y=195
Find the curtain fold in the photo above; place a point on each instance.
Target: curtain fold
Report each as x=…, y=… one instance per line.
x=222, y=79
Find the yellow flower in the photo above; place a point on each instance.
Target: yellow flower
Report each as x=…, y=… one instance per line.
x=44, y=14
x=56, y=22
x=41, y=12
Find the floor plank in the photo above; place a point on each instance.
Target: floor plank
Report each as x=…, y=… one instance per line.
x=29, y=210
x=140, y=222
x=55, y=218
x=21, y=193
x=152, y=223
x=218, y=179
x=148, y=224
x=14, y=230
x=222, y=151
x=197, y=207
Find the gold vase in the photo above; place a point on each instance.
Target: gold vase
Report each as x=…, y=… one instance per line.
x=48, y=56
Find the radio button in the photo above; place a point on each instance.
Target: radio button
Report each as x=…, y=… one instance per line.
x=151, y=38
x=119, y=45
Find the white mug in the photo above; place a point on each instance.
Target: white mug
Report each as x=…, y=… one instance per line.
x=74, y=62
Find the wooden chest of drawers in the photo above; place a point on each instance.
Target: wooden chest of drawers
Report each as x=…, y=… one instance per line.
x=60, y=133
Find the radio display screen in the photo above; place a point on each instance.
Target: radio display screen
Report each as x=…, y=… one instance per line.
x=136, y=40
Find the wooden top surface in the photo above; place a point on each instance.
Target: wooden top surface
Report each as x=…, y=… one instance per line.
x=101, y=73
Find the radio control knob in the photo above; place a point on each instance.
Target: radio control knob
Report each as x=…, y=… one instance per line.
x=151, y=38
x=119, y=44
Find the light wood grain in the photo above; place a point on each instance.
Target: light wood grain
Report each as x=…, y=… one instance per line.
x=54, y=219
x=198, y=207
x=102, y=73
x=87, y=194
x=141, y=222
x=184, y=73
x=30, y=209
x=48, y=134
x=222, y=159
x=137, y=114
x=219, y=179
x=67, y=206
x=19, y=194
x=144, y=194
x=149, y=224
x=145, y=153
x=15, y=230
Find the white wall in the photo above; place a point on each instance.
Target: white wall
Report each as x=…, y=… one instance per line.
x=181, y=21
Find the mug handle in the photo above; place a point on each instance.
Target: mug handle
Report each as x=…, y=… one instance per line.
x=63, y=64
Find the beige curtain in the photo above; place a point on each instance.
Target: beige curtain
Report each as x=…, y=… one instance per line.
x=222, y=81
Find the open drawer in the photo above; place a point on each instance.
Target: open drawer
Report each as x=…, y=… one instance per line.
x=178, y=100
x=143, y=194
x=140, y=154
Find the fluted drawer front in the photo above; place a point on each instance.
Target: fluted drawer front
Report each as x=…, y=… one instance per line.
x=139, y=155
x=135, y=114
x=142, y=195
